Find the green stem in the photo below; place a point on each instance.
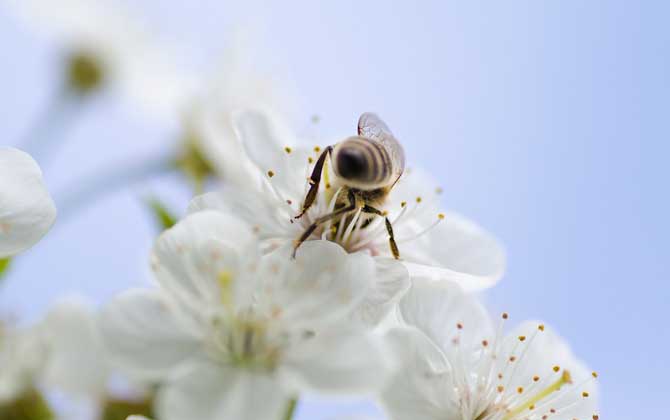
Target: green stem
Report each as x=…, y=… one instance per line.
x=290, y=409
x=109, y=180
x=46, y=131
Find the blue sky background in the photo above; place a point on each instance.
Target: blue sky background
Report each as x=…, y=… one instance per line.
x=547, y=122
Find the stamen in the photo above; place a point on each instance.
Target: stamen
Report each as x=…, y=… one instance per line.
x=288, y=150
x=440, y=218
x=564, y=379
x=271, y=173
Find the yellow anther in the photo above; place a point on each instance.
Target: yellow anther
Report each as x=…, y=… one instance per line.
x=500, y=388
x=403, y=204
x=327, y=185
x=536, y=378
x=540, y=327
x=310, y=160
x=505, y=315
x=317, y=149
x=287, y=149
x=418, y=199
x=271, y=174
x=485, y=343
x=594, y=374
x=522, y=338
x=459, y=326
x=440, y=216
x=585, y=394
x=556, y=368
x=520, y=390
x=438, y=190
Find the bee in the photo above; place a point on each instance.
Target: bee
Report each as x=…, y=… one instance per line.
x=366, y=167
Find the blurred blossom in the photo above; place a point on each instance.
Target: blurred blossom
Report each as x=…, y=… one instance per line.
x=237, y=84
x=106, y=47
x=26, y=209
x=457, y=364
x=234, y=335
x=22, y=354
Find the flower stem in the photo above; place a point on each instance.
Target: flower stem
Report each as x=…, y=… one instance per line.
x=109, y=180
x=45, y=132
x=290, y=409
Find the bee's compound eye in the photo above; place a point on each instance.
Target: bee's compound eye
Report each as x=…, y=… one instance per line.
x=351, y=163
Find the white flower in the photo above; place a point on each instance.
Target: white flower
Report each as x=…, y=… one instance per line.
x=457, y=365
x=26, y=209
x=433, y=245
x=107, y=47
x=21, y=357
x=235, y=336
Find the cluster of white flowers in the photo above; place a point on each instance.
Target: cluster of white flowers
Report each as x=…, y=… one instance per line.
x=262, y=298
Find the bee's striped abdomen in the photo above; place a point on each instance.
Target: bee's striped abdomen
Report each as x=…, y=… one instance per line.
x=363, y=162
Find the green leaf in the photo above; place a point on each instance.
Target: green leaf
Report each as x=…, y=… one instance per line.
x=164, y=217
x=118, y=409
x=30, y=405
x=4, y=266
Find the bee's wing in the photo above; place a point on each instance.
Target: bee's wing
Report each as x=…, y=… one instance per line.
x=372, y=127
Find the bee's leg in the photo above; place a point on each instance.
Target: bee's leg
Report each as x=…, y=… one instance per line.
x=314, y=181
x=339, y=212
x=389, y=229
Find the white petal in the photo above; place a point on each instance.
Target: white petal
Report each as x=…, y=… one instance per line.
x=189, y=258
x=344, y=361
x=206, y=391
x=418, y=390
x=26, y=209
x=456, y=250
x=76, y=362
x=444, y=312
x=264, y=139
x=323, y=284
x=142, y=335
x=391, y=283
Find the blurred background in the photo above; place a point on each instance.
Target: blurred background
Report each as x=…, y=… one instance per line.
x=546, y=122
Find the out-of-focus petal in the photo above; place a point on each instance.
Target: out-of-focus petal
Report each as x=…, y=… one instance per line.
x=26, y=209
x=203, y=390
x=142, y=335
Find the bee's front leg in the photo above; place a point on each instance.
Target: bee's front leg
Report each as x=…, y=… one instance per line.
x=314, y=181
x=389, y=228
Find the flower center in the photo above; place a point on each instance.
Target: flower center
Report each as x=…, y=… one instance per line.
x=84, y=72
x=240, y=336
x=488, y=391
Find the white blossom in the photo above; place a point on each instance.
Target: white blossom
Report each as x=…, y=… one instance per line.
x=237, y=84
x=433, y=245
x=234, y=335
x=21, y=358
x=458, y=365
x=26, y=209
